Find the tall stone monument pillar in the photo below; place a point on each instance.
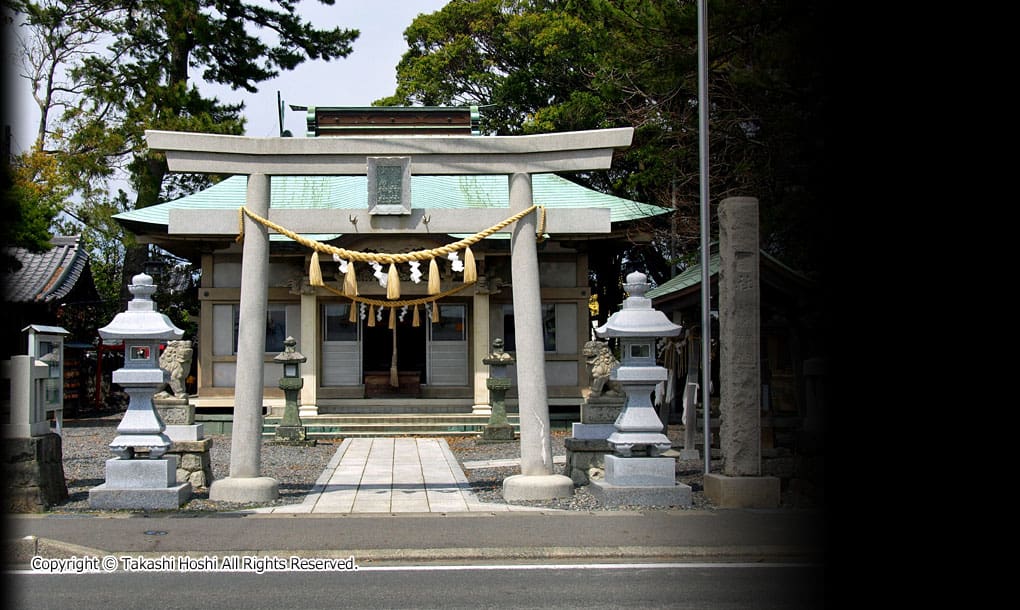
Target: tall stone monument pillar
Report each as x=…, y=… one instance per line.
x=244, y=484
x=740, y=485
x=536, y=481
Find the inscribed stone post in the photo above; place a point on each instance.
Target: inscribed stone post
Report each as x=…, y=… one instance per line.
x=739, y=329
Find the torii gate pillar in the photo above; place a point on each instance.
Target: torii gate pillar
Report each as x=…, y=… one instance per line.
x=245, y=483
x=536, y=481
x=515, y=156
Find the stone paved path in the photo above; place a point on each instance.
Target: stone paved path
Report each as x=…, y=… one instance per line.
x=393, y=475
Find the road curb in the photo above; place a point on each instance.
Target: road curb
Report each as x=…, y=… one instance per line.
x=19, y=553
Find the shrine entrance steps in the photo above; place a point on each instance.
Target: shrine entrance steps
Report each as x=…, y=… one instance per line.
x=399, y=424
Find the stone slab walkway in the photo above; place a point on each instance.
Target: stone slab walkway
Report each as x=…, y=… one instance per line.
x=393, y=475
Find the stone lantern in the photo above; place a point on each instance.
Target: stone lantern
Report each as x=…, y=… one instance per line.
x=635, y=473
x=130, y=482
x=498, y=428
x=638, y=326
x=290, y=431
x=142, y=329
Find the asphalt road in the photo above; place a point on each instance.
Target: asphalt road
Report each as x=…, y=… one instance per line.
x=691, y=585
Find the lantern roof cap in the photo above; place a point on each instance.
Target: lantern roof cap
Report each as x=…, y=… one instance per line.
x=637, y=318
x=289, y=355
x=141, y=320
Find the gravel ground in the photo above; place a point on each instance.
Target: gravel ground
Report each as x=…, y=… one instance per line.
x=86, y=449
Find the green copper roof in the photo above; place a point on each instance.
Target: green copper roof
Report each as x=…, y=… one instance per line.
x=690, y=277
x=428, y=192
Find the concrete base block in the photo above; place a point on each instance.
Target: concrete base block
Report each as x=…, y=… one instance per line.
x=640, y=471
x=33, y=471
x=199, y=446
x=742, y=492
x=481, y=409
x=602, y=409
x=690, y=454
x=584, y=454
x=141, y=474
x=192, y=432
x=174, y=411
x=617, y=495
x=498, y=432
x=293, y=436
x=244, y=490
x=537, y=487
x=105, y=497
x=592, y=431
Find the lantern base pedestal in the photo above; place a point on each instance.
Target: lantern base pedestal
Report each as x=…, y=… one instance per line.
x=640, y=495
x=244, y=490
x=641, y=481
x=292, y=436
x=140, y=484
x=537, y=487
x=170, y=498
x=497, y=433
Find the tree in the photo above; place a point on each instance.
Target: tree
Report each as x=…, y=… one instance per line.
x=545, y=65
x=104, y=71
x=27, y=208
x=143, y=80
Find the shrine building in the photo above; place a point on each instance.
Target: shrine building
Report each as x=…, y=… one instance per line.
x=419, y=351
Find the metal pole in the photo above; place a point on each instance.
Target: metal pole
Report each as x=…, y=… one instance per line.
x=706, y=286
x=279, y=111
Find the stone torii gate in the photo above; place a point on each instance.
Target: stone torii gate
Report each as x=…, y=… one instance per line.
x=517, y=157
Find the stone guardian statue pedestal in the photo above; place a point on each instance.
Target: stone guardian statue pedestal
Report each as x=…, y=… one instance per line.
x=189, y=443
x=588, y=443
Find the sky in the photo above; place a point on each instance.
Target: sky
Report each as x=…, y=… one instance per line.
x=364, y=76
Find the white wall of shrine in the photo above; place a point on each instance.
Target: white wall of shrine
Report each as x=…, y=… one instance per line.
x=334, y=374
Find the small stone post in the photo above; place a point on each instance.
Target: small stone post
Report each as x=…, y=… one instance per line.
x=498, y=429
x=32, y=456
x=740, y=485
x=692, y=352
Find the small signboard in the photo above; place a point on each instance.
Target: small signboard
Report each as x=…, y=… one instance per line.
x=389, y=185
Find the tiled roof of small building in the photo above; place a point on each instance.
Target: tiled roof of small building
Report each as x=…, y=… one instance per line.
x=428, y=192
x=47, y=276
x=691, y=276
